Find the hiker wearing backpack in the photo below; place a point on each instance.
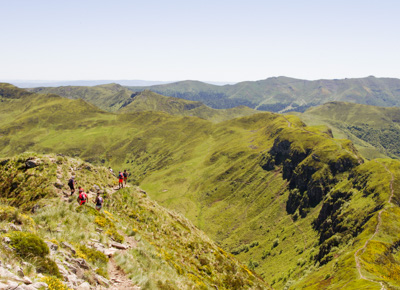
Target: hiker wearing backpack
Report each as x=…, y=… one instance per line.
x=98, y=201
x=71, y=184
x=82, y=198
x=120, y=180
x=126, y=174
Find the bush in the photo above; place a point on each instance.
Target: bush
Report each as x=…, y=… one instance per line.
x=47, y=266
x=93, y=255
x=275, y=243
x=12, y=214
x=254, y=244
x=265, y=254
x=28, y=245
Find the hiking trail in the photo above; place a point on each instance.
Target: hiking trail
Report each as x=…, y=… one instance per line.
x=377, y=227
x=118, y=279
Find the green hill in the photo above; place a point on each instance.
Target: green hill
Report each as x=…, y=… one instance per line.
x=159, y=249
x=374, y=130
x=115, y=98
x=149, y=101
x=107, y=97
x=299, y=207
x=285, y=94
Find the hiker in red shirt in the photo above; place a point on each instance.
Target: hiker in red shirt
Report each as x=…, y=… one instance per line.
x=125, y=174
x=82, y=198
x=120, y=180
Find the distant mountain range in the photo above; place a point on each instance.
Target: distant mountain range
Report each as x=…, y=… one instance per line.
x=116, y=98
x=283, y=94
x=49, y=83
x=43, y=83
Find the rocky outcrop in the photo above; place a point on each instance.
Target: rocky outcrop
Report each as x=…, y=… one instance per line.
x=311, y=174
x=32, y=162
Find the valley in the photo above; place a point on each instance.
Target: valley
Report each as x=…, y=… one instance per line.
x=298, y=207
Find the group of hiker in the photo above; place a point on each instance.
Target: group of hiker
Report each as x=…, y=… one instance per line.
x=83, y=198
x=122, y=177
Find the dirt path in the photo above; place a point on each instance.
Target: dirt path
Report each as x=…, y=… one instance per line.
x=118, y=277
x=119, y=280
x=362, y=250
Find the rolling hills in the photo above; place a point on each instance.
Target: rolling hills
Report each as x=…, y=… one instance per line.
x=115, y=98
x=374, y=130
x=279, y=94
x=299, y=207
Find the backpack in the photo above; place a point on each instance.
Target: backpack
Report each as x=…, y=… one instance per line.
x=125, y=174
x=99, y=200
x=82, y=196
x=71, y=182
x=120, y=176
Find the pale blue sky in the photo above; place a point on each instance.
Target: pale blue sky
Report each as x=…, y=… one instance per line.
x=202, y=40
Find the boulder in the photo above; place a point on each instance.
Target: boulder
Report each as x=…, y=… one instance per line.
x=20, y=272
x=26, y=280
x=82, y=263
x=64, y=272
x=12, y=285
x=119, y=246
x=73, y=280
x=14, y=227
x=26, y=287
x=40, y=285
x=72, y=268
x=6, y=274
x=109, y=252
x=7, y=240
x=68, y=246
x=31, y=163
x=101, y=280
x=52, y=246
x=84, y=286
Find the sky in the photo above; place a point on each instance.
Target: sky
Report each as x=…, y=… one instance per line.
x=219, y=40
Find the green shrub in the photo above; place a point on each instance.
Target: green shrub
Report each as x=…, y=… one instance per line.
x=265, y=254
x=102, y=272
x=275, y=243
x=28, y=245
x=47, y=266
x=93, y=255
x=254, y=244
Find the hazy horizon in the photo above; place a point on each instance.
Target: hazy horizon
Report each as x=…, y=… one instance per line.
x=223, y=41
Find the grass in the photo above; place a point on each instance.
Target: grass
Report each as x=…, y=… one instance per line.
x=373, y=130
x=170, y=251
x=308, y=201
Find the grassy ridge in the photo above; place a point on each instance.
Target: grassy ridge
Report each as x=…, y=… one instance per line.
x=374, y=130
x=169, y=251
x=289, y=200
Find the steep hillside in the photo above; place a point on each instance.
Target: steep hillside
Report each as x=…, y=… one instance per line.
x=132, y=242
x=296, y=205
x=374, y=130
x=281, y=94
x=115, y=98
